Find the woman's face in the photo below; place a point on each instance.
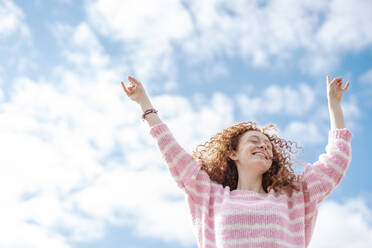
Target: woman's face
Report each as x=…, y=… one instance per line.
x=254, y=150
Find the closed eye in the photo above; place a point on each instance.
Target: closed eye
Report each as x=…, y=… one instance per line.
x=266, y=142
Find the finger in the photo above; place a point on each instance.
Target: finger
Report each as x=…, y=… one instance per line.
x=336, y=81
x=125, y=89
x=132, y=79
x=346, y=86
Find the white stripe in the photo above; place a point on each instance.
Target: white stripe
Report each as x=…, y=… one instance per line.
x=256, y=203
x=291, y=222
x=205, y=225
x=334, y=140
x=316, y=183
x=174, y=162
x=262, y=226
x=169, y=146
x=199, y=194
x=210, y=183
x=213, y=218
x=209, y=242
x=334, y=166
x=271, y=199
x=318, y=172
x=219, y=199
x=163, y=134
x=234, y=212
x=176, y=158
x=189, y=166
x=334, y=150
x=259, y=240
x=315, y=197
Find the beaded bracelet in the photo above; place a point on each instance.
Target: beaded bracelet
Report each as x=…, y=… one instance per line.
x=148, y=112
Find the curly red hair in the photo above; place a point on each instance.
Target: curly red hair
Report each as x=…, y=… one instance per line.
x=215, y=160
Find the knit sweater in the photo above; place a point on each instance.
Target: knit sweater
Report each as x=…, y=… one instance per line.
x=242, y=218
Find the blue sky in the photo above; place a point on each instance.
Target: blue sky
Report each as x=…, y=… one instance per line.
x=79, y=168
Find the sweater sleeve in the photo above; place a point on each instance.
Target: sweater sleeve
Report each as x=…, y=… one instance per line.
x=185, y=170
x=319, y=179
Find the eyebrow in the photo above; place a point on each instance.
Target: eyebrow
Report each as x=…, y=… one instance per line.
x=256, y=136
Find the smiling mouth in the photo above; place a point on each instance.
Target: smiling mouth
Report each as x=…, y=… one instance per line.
x=261, y=155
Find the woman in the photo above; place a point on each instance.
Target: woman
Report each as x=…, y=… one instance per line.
x=240, y=186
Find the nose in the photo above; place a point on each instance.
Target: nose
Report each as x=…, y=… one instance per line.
x=263, y=146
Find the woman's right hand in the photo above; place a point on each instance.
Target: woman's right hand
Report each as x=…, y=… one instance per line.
x=135, y=90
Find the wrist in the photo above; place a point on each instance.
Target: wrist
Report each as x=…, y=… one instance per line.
x=334, y=104
x=145, y=103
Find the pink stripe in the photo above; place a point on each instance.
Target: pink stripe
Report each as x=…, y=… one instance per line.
x=310, y=209
x=165, y=140
x=203, y=176
x=199, y=200
x=206, y=188
x=184, y=164
x=209, y=236
x=189, y=166
x=174, y=171
x=183, y=161
x=158, y=129
x=255, y=198
x=172, y=152
x=208, y=246
x=344, y=134
x=294, y=214
x=262, y=219
x=319, y=188
x=339, y=160
x=256, y=244
x=208, y=222
x=308, y=221
x=261, y=232
x=341, y=146
x=314, y=176
x=329, y=171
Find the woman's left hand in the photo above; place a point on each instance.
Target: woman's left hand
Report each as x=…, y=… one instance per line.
x=335, y=90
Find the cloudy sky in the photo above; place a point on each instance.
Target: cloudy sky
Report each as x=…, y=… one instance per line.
x=78, y=167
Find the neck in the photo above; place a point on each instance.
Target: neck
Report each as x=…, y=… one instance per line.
x=250, y=182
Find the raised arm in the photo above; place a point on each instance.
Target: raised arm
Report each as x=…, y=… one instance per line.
x=137, y=93
x=186, y=171
x=324, y=175
x=334, y=95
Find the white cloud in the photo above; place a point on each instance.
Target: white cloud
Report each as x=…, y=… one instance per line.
x=278, y=100
x=85, y=151
x=268, y=35
x=149, y=32
x=11, y=19
x=352, y=112
x=51, y=130
x=81, y=46
x=67, y=134
x=345, y=26
x=304, y=132
x=366, y=77
x=1, y=95
x=346, y=224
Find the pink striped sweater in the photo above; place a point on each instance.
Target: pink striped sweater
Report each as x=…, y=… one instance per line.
x=242, y=218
